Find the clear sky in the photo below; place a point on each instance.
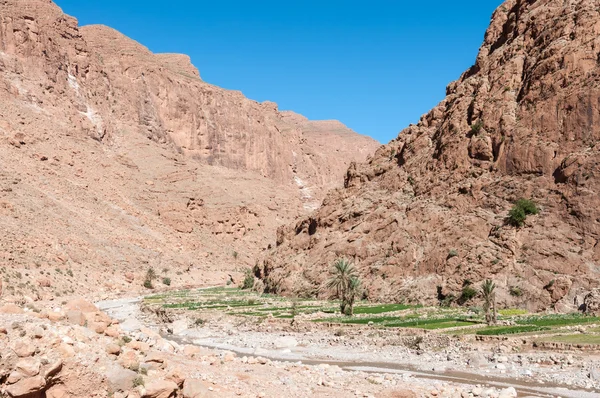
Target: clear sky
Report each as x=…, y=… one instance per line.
x=375, y=65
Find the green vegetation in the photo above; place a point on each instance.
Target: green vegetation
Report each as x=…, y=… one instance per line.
x=488, y=291
x=501, y=330
x=248, y=282
x=453, y=321
x=467, y=293
x=150, y=276
x=344, y=281
x=380, y=309
x=558, y=320
x=166, y=281
x=518, y=214
x=512, y=312
x=516, y=291
x=452, y=253
x=138, y=381
x=575, y=339
x=476, y=127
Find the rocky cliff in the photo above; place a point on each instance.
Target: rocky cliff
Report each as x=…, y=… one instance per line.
x=427, y=213
x=115, y=159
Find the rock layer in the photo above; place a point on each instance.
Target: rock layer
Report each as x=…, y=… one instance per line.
x=115, y=160
x=427, y=213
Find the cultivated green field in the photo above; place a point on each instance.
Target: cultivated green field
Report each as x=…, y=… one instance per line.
x=454, y=321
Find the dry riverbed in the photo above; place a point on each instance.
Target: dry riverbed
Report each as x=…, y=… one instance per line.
x=368, y=355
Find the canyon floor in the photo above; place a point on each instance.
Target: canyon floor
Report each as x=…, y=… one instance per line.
x=225, y=342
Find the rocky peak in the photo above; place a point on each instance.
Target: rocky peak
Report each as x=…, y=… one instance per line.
x=523, y=122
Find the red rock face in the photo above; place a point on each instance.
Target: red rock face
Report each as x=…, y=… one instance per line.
x=115, y=159
x=523, y=122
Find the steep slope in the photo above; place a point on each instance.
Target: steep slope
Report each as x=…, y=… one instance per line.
x=114, y=160
x=427, y=213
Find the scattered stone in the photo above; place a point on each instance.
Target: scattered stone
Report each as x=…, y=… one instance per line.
x=26, y=387
x=194, y=388
x=160, y=389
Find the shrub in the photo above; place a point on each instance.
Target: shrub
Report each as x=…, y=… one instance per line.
x=447, y=300
x=199, y=322
x=248, y=282
x=452, y=253
x=516, y=291
x=520, y=211
x=148, y=284
x=517, y=216
x=138, y=381
x=467, y=294
x=476, y=127
x=166, y=281
x=150, y=274
x=528, y=206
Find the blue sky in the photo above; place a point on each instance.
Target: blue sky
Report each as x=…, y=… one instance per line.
x=375, y=65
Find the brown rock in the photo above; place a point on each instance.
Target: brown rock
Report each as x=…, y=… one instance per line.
x=24, y=349
x=129, y=360
x=81, y=305
x=112, y=331
x=11, y=309
x=113, y=349
x=55, y=316
x=509, y=128
x=57, y=391
x=54, y=369
x=138, y=346
x=194, y=388
x=28, y=367
x=14, y=377
x=76, y=318
x=27, y=387
x=86, y=82
x=160, y=389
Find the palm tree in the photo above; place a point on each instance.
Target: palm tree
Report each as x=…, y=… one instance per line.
x=344, y=281
x=353, y=291
x=488, y=291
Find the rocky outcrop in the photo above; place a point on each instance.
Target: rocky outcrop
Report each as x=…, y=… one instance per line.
x=115, y=160
x=428, y=211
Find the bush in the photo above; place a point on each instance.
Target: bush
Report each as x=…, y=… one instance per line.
x=452, y=253
x=476, y=128
x=150, y=274
x=520, y=211
x=166, y=281
x=148, y=284
x=467, y=294
x=138, y=381
x=248, y=282
x=516, y=291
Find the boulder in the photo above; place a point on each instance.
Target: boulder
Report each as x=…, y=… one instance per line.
x=57, y=391
x=129, y=360
x=160, y=389
x=82, y=305
x=23, y=349
x=29, y=387
x=28, y=366
x=120, y=379
x=76, y=317
x=11, y=309
x=591, y=302
x=194, y=388
x=113, y=349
